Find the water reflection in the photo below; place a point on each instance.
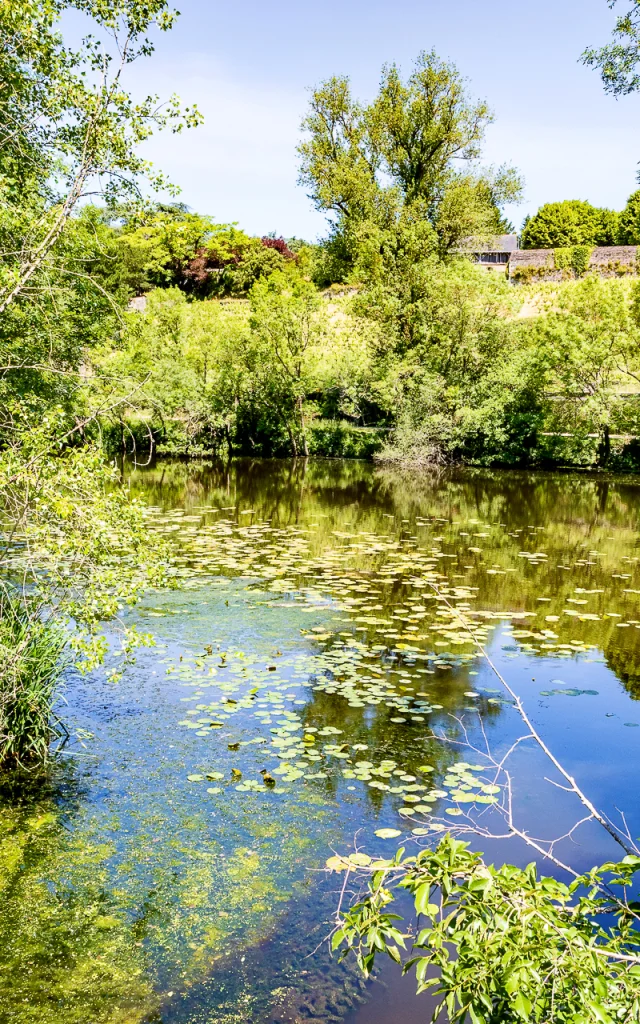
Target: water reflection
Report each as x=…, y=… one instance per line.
x=128, y=893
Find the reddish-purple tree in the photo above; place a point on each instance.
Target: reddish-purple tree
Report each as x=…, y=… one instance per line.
x=279, y=245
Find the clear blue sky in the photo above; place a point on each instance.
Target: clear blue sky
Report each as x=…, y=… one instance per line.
x=248, y=66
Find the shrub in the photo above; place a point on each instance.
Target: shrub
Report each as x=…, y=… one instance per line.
x=575, y=257
x=338, y=440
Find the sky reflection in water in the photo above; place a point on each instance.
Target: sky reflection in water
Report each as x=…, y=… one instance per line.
x=307, y=642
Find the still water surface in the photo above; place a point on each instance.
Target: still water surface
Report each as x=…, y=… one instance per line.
x=155, y=877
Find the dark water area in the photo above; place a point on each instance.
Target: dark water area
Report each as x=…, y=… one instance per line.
x=315, y=635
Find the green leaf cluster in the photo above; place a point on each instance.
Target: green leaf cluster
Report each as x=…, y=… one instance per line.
x=575, y=258
x=503, y=943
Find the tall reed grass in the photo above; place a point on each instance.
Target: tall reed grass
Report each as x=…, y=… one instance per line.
x=31, y=663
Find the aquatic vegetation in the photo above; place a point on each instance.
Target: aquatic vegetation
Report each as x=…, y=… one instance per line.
x=324, y=634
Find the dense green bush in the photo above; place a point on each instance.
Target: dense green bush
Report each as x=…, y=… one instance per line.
x=431, y=353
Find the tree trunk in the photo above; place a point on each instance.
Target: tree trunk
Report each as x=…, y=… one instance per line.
x=303, y=432
x=292, y=438
x=604, y=448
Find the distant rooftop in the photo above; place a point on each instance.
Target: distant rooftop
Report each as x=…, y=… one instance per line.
x=504, y=243
x=500, y=243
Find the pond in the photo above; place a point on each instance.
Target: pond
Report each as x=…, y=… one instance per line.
x=170, y=868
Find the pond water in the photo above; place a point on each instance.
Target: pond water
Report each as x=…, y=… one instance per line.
x=157, y=875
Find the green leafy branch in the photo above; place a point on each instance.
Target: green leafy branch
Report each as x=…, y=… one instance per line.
x=503, y=944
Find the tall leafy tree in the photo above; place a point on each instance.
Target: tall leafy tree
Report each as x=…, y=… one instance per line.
x=415, y=146
x=68, y=129
x=69, y=126
x=629, y=221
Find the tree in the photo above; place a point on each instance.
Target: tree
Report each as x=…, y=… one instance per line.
x=74, y=551
x=587, y=345
x=185, y=357
x=74, y=547
x=421, y=127
x=412, y=148
x=572, y=222
x=70, y=127
x=157, y=246
x=629, y=221
x=287, y=330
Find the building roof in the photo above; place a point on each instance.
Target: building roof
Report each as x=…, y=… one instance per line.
x=502, y=243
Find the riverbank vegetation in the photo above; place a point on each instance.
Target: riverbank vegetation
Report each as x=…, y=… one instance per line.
x=424, y=360
x=136, y=326
x=384, y=340
x=73, y=547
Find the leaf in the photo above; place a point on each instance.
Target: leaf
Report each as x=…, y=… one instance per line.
x=599, y=1012
x=388, y=833
x=522, y=1006
x=422, y=898
x=360, y=860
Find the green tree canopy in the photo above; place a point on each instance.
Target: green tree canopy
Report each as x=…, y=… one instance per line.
x=572, y=222
x=70, y=127
x=415, y=146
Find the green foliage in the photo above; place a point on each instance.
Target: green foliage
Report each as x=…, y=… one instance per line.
x=74, y=551
x=432, y=349
x=170, y=247
x=575, y=257
x=618, y=61
x=493, y=420
x=31, y=651
x=72, y=545
x=399, y=158
x=74, y=127
x=78, y=306
x=587, y=348
x=570, y=223
x=234, y=375
x=340, y=440
x=288, y=330
x=629, y=221
x=502, y=943
x=181, y=361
